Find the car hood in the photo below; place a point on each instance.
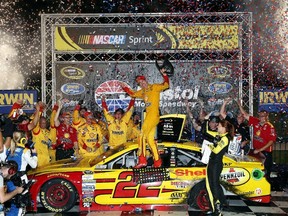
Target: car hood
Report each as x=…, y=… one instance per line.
x=66, y=165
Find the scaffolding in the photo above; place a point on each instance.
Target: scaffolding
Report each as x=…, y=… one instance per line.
x=50, y=56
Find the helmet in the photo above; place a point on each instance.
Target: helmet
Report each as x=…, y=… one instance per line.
x=167, y=65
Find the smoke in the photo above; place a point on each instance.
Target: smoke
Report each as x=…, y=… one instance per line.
x=9, y=64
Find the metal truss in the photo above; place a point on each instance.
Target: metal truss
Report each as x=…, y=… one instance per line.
x=244, y=54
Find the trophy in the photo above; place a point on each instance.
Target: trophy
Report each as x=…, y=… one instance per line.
x=167, y=65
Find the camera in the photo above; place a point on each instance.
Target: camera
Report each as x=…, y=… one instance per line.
x=30, y=144
x=24, y=199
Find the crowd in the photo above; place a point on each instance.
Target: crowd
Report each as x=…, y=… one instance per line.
x=26, y=142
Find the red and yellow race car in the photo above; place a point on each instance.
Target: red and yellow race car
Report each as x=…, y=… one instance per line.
x=108, y=182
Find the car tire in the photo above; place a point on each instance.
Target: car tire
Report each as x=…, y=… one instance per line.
x=198, y=197
x=58, y=195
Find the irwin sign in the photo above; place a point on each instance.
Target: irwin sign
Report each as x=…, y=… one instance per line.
x=8, y=97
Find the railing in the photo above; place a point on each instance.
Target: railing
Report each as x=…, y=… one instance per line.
x=280, y=152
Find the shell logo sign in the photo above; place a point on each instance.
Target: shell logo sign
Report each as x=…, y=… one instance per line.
x=235, y=176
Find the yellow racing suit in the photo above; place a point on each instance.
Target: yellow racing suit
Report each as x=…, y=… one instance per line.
x=151, y=97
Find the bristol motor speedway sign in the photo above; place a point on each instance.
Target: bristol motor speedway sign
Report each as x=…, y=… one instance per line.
x=209, y=82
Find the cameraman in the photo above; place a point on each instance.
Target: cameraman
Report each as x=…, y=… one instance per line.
x=7, y=170
x=24, y=154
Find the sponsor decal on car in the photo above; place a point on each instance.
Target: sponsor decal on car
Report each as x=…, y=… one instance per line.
x=72, y=72
x=58, y=174
x=179, y=184
x=176, y=195
x=258, y=191
x=235, y=176
x=189, y=172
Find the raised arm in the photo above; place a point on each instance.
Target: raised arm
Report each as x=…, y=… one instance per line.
x=243, y=112
x=223, y=112
x=56, y=118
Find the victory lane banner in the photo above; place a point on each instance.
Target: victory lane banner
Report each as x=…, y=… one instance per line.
x=145, y=37
x=9, y=97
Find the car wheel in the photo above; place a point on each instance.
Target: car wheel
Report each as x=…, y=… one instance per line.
x=58, y=195
x=198, y=197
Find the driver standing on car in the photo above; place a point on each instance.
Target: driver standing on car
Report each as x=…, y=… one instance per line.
x=150, y=93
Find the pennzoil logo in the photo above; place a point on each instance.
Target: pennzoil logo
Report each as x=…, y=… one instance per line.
x=72, y=72
x=219, y=70
x=220, y=87
x=235, y=176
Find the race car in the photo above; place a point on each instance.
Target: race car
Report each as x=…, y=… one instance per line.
x=109, y=182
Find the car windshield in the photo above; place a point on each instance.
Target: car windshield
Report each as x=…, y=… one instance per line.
x=105, y=155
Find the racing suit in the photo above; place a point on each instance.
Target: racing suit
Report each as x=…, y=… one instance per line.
x=151, y=97
x=214, y=169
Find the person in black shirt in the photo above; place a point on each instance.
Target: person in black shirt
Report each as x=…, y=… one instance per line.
x=242, y=132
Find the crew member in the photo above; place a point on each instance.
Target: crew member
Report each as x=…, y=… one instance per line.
x=42, y=139
x=89, y=135
x=117, y=123
x=66, y=143
x=264, y=137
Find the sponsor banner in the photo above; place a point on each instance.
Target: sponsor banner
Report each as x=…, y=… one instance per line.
x=9, y=97
x=273, y=100
x=206, y=81
x=132, y=37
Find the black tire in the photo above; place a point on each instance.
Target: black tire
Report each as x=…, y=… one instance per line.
x=58, y=195
x=198, y=197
